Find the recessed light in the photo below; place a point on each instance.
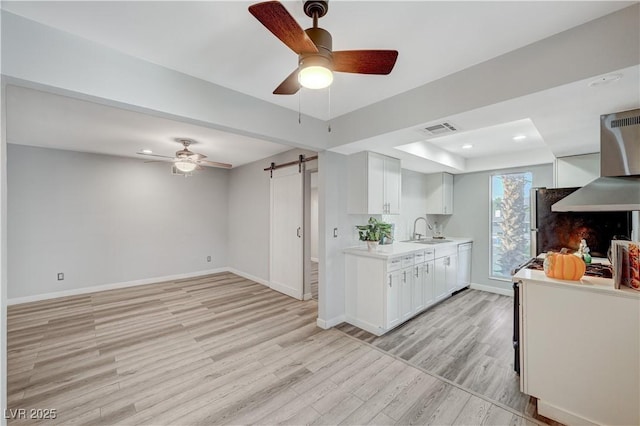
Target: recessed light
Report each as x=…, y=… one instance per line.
x=467, y=146
x=607, y=79
x=146, y=151
x=519, y=138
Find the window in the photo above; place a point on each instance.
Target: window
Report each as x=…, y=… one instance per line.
x=510, y=227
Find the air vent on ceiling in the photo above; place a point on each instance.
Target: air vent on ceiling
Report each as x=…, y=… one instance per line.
x=439, y=129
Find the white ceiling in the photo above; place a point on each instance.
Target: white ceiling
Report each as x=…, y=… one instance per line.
x=52, y=121
x=219, y=41
x=222, y=43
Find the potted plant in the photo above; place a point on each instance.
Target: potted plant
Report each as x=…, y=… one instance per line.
x=373, y=232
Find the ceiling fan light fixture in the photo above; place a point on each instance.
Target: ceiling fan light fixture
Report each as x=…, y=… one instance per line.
x=185, y=166
x=315, y=72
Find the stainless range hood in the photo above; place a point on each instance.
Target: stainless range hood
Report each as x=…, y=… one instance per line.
x=618, y=188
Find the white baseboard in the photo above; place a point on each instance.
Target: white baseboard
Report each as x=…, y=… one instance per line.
x=248, y=276
x=560, y=415
x=492, y=289
x=314, y=259
x=112, y=286
x=307, y=296
x=325, y=324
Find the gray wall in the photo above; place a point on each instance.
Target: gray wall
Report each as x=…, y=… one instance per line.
x=249, y=210
x=472, y=191
x=102, y=220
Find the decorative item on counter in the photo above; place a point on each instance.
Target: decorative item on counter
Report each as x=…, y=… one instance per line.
x=373, y=232
x=583, y=251
x=626, y=264
x=564, y=266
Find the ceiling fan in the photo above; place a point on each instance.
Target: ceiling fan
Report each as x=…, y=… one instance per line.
x=316, y=60
x=185, y=161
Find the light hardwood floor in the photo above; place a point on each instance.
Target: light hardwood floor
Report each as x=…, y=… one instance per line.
x=217, y=349
x=466, y=339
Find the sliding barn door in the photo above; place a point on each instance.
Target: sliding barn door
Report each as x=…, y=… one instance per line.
x=285, y=263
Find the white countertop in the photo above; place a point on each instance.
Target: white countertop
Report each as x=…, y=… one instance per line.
x=398, y=248
x=587, y=283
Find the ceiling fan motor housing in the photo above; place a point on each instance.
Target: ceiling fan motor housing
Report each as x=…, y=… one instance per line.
x=323, y=41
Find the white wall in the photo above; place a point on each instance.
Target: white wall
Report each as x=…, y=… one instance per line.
x=471, y=190
x=412, y=205
x=103, y=220
x=248, y=249
x=576, y=170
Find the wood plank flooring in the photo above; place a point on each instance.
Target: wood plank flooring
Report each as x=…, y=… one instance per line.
x=218, y=349
x=466, y=339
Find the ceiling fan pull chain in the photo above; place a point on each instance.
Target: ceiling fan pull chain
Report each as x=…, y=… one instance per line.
x=329, y=107
x=299, y=113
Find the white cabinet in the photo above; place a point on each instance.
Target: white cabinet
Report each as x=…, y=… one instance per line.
x=428, y=283
x=406, y=293
x=579, y=350
x=439, y=188
x=393, y=299
x=446, y=273
x=464, y=265
x=374, y=184
x=418, y=297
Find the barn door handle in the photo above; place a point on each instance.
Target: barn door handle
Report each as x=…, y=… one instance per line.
x=298, y=232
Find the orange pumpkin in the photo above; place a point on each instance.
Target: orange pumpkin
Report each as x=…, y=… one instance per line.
x=564, y=266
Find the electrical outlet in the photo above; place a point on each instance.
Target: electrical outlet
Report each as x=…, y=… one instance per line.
x=60, y=276
x=208, y=258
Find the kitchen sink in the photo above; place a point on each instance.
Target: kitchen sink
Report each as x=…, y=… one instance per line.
x=428, y=241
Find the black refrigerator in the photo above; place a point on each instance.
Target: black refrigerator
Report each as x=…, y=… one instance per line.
x=553, y=231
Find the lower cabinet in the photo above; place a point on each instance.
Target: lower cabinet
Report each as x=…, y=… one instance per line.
x=393, y=299
x=382, y=293
x=464, y=265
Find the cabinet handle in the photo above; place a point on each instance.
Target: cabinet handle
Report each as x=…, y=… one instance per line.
x=404, y=276
x=298, y=232
x=389, y=280
x=417, y=272
x=427, y=265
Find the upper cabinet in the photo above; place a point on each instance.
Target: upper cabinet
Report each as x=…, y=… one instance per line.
x=439, y=193
x=374, y=184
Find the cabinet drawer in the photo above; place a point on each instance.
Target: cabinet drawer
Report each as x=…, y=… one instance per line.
x=446, y=251
x=407, y=260
x=429, y=255
x=394, y=264
x=418, y=258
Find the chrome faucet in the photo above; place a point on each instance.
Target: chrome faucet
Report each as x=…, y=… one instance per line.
x=415, y=222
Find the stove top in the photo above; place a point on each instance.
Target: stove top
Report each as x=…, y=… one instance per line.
x=593, y=269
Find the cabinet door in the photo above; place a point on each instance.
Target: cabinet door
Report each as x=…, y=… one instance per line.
x=393, y=298
x=392, y=185
x=428, y=283
x=406, y=293
x=440, y=280
x=451, y=274
x=447, y=193
x=376, y=203
x=464, y=265
x=418, y=298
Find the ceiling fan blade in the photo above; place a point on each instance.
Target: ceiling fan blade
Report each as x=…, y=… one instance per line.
x=289, y=86
x=215, y=164
x=157, y=161
x=365, y=61
x=274, y=16
x=154, y=155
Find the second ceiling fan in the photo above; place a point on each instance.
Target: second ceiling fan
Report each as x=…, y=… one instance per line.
x=316, y=59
